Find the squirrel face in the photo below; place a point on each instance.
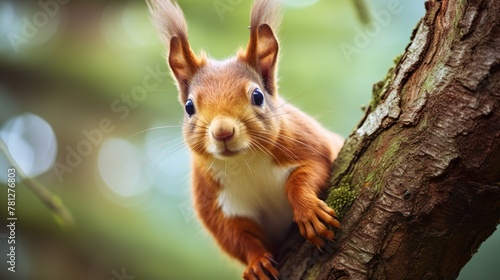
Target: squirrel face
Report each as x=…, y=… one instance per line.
x=228, y=111
x=231, y=106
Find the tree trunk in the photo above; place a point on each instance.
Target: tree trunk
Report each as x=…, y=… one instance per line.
x=419, y=179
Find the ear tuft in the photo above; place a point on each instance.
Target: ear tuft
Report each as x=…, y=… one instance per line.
x=262, y=49
x=169, y=20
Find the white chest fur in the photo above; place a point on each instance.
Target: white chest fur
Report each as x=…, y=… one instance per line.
x=254, y=187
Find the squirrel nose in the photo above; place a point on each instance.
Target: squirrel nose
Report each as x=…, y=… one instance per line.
x=222, y=134
x=222, y=129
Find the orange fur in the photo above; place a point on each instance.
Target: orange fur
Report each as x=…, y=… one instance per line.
x=254, y=166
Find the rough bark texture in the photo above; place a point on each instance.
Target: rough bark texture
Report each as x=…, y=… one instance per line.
x=424, y=163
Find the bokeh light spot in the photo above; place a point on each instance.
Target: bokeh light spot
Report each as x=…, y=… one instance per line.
x=31, y=143
x=7, y=24
x=168, y=160
x=126, y=27
x=120, y=167
x=6, y=16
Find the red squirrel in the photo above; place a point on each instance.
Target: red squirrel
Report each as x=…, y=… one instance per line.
x=258, y=163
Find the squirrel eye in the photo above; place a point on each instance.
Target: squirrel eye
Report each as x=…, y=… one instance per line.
x=190, y=107
x=257, y=97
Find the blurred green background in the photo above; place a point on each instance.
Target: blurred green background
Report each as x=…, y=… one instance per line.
x=87, y=106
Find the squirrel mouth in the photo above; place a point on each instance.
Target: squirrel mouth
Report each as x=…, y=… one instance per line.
x=228, y=153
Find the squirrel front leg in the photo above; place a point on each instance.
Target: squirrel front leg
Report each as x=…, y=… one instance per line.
x=244, y=239
x=309, y=212
x=240, y=237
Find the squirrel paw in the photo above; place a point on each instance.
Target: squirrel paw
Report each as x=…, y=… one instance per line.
x=257, y=270
x=311, y=220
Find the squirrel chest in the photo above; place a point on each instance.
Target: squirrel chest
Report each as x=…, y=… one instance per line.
x=254, y=187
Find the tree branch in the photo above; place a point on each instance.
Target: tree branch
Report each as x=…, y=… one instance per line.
x=61, y=213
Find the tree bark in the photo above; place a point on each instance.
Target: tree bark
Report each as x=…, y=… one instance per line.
x=423, y=167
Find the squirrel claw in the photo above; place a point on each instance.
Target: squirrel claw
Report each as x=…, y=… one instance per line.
x=312, y=224
x=260, y=269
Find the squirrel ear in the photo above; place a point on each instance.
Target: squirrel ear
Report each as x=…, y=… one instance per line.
x=262, y=55
x=184, y=65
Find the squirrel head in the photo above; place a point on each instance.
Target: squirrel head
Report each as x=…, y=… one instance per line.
x=231, y=107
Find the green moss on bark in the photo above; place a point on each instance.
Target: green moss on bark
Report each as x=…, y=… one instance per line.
x=380, y=87
x=342, y=197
